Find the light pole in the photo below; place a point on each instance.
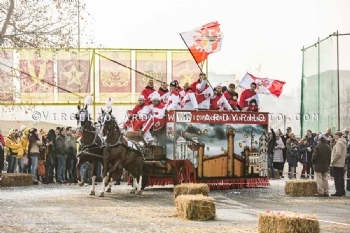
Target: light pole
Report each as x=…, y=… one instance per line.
x=79, y=24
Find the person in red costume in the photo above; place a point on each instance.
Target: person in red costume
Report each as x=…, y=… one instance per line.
x=247, y=95
x=164, y=92
x=180, y=90
x=218, y=100
x=203, y=92
x=174, y=98
x=141, y=119
x=253, y=107
x=158, y=112
x=149, y=89
x=230, y=94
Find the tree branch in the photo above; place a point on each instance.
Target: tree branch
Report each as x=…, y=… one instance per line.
x=7, y=21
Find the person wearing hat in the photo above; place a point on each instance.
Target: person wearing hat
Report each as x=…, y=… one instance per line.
x=149, y=89
x=158, y=112
x=174, y=98
x=338, y=163
x=218, y=100
x=203, y=92
x=164, y=92
x=189, y=101
x=321, y=158
x=14, y=147
x=247, y=95
x=138, y=119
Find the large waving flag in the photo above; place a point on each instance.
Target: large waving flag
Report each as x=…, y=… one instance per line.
x=203, y=41
x=264, y=85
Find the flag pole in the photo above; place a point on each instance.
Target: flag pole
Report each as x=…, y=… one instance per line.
x=195, y=60
x=191, y=53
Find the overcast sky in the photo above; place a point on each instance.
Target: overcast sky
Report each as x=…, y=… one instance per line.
x=270, y=32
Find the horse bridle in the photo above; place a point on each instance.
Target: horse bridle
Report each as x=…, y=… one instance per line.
x=83, y=128
x=111, y=130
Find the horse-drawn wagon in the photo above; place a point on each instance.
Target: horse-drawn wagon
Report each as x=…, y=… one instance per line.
x=223, y=149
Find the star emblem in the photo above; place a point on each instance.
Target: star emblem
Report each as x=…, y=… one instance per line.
x=73, y=76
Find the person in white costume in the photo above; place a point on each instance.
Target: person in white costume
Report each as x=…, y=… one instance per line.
x=189, y=101
x=203, y=92
x=174, y=98
x=218, y=100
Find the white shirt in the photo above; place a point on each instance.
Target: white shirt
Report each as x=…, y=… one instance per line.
x=189, y=101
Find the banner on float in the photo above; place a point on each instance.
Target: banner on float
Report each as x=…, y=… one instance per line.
x=36, y=76
x=114, y=78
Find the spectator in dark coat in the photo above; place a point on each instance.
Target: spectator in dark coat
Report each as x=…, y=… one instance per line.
x=310, y=143
x=270, y=148
x=321, y=158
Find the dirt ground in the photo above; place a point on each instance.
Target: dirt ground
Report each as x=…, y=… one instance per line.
x=70, y=208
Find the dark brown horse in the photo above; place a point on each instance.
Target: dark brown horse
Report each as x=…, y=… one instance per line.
x=119, y=151
x=91, y=146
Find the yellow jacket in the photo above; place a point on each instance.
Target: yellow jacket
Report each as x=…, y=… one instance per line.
x=15, y=146
x=25, y=143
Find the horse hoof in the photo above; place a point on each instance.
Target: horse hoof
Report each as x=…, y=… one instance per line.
x=132, y=191
x=139, y=192
x=101, y=195
x=108, y=190
x=92, y=193
x=81, y=183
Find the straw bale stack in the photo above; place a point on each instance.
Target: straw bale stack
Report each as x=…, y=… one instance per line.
x=16, y=179
x=195, y=207
x=287, y=223
x=191, y=189
x=300, y=188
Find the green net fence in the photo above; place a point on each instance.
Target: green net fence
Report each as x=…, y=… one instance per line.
x=324, y=103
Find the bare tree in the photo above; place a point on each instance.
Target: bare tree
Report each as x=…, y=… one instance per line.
x=40, y=24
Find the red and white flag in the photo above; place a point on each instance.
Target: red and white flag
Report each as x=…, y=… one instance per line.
x=203, y=41
x=263, y=85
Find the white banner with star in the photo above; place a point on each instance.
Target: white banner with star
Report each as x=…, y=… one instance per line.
x=73, y=70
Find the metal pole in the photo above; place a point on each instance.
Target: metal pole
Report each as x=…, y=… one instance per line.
x=338, y=81
x=318, y=83
x=79, y=24
x=302, y=95
x=94, y=82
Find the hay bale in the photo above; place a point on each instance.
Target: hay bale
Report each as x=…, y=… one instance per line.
x=300, y=188
x=16, y=179
x=195, y=207
x=287, y=223
x=277, y=174
x=191, y=189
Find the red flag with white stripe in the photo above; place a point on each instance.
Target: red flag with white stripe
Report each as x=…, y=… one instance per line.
x=203, y=41
x=264, y=85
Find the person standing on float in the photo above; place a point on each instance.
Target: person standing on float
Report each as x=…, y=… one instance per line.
x=248, y=95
